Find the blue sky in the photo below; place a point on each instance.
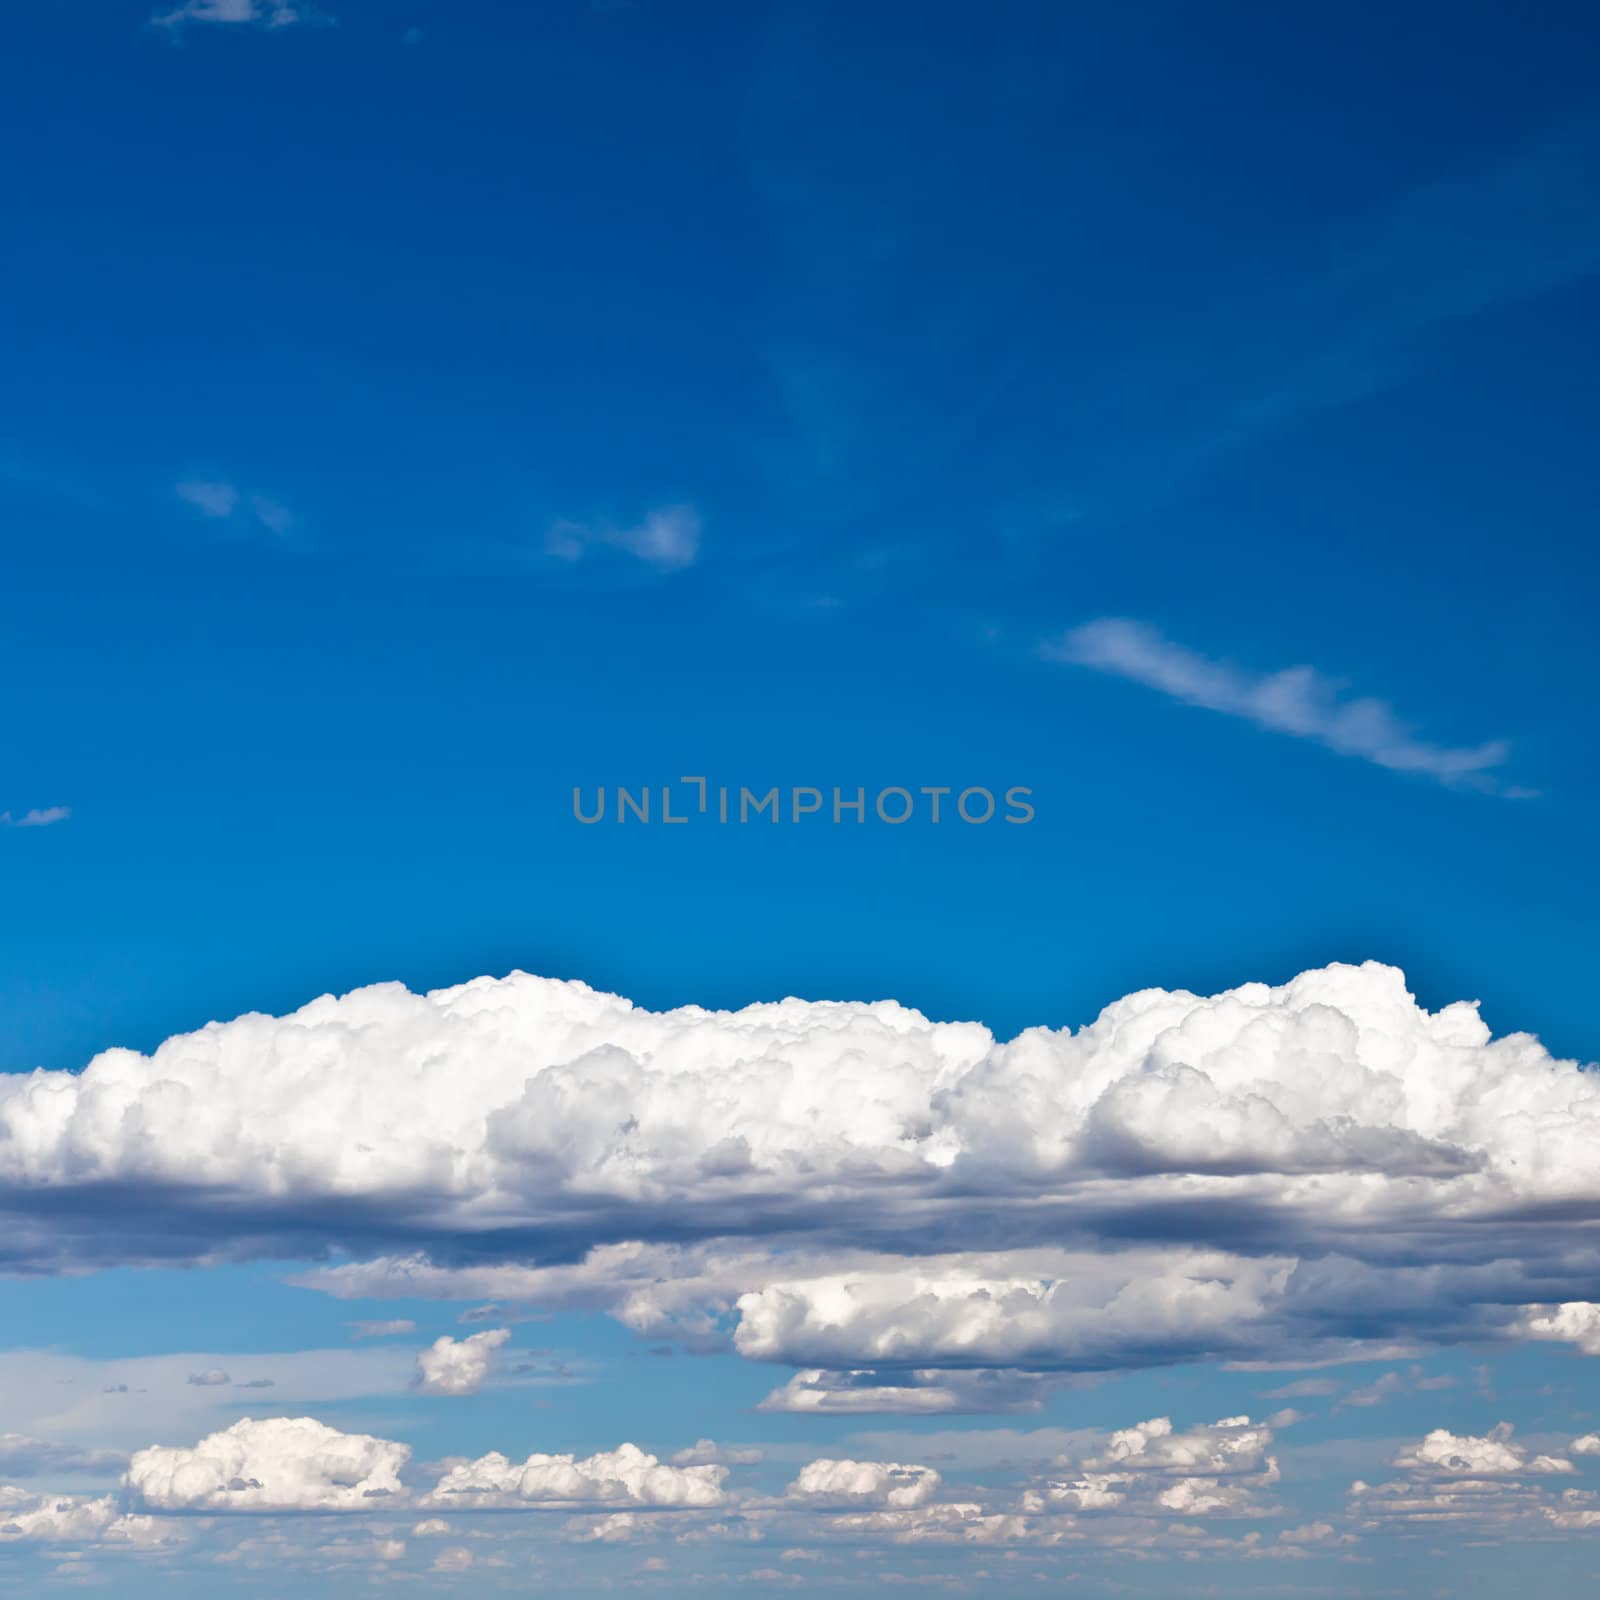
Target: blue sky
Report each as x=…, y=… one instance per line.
x=413, y=413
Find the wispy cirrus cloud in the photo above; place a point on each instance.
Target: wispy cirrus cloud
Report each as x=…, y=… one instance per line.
x=222, y=501
x=246, y=13
x=668, y=538
x=1299, y=700
x=38, y=817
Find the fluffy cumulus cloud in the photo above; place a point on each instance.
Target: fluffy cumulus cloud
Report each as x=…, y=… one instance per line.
x=1492, y=1455
x=459, y=1366
x=626, y=1475
x=1152, y=1488
x=63, y=1519
x=1273, y=1173
x=878, y=1483
x=1154, y=1470
x=1576, y=1322
x=1487, y=1482
x=279, y=1464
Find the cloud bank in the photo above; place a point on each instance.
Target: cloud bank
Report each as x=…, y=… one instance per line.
x=1271, y=1175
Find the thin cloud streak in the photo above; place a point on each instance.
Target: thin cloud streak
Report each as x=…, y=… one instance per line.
x=220, y=501
x=39, y=817
x=1299, y=700
x=668, y=538
x=247, y=13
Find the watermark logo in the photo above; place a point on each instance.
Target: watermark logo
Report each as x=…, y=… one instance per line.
x=694, y=799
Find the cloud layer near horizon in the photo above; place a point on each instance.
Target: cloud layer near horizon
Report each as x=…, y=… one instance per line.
x=1307, y=1171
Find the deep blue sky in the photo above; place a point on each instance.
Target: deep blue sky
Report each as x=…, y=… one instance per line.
x=955, y=328
x=1272, y=328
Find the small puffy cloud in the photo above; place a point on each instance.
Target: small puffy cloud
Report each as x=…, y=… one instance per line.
x=38, y=817
x=1588, y=1445
x=279, y=1464
x=1231, y=1445
x=879, y=1483
x=667, y=539
x=458, y=1366
x=626, y=1475
x=1298, y=700
x=211, y=1378
x=456, y=1559
x=431, y=1528
x=1482, y=1456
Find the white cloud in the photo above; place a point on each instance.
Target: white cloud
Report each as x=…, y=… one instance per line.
x=925, y=1391
x=944, y=1310
x=459, y=1366
x=1152, y=1469
x=61, y=1519
x=39, y=817
x=248, y=13
x=1489, y=1455
x=879, y=1483
x=278, y=1464
x=219, y=500
x=800, y=1155
x=273, y=517
x=1588, y=1445
x=668, y=538
x=1574, y=1322
x=626, y=1474
x=1478, y=1481
x=1297, y=700
x=222, y=502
